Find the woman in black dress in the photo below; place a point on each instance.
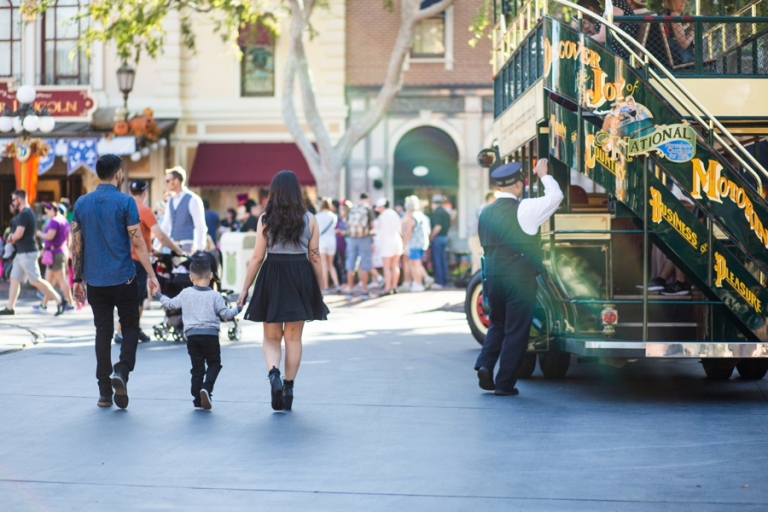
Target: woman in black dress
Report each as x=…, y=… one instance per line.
x=286, y=260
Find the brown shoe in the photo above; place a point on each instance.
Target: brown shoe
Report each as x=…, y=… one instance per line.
x=104, y=401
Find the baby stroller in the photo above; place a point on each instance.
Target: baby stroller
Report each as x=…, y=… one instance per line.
x=173, y=275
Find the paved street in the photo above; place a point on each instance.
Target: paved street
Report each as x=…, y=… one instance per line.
x=387, y=416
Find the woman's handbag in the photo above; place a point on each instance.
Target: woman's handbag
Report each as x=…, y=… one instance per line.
x=47, y=259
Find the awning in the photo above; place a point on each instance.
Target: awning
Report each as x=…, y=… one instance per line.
x=247, y=164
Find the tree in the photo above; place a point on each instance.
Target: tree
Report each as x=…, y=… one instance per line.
x=136, y=27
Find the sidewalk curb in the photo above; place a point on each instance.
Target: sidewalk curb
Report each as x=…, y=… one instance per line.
x=37, y=337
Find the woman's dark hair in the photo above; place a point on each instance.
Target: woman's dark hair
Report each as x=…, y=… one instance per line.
x=232, y=212
x=284, y=213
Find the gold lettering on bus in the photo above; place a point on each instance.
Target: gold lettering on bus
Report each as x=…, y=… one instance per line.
x=661, y=211
x=708, y=181
x=558, y=128
x=724, y=274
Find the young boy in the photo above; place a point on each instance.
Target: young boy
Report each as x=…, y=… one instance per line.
x=201, y=311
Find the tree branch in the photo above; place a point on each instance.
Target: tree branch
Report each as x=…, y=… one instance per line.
x=433, y=10
x=393, y=83
x=292, y=124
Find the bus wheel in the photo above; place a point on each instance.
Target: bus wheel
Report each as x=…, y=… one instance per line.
x=528, y=366
x=715, y=369
x=554, y=364
x=752, y=369
x=477, y=317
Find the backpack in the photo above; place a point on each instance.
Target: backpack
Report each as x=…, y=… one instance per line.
x=419, y=238
x=358, y=222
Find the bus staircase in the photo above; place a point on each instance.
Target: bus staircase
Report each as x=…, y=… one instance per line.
x=722, y=243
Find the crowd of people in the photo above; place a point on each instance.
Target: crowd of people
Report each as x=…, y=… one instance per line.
x=664, y=41
x=100, y=253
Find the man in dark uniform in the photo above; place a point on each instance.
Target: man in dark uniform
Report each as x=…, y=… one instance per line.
x=508, y=231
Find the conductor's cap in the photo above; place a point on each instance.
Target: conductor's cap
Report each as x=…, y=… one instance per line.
x=508, y=174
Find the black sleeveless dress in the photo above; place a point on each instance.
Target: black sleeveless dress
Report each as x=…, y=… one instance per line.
x=286, y=289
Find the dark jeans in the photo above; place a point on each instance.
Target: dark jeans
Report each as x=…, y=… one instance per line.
x=203, y=349
x=440, y=259
x=512, y=299
x=103, y=301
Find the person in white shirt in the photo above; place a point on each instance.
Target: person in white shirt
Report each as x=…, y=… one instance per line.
x=326, y=223
x=389, y=241
x=508, y=231
x=184, y=219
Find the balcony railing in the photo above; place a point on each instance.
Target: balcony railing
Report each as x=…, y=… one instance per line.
x=722, y=46
x=507, y=37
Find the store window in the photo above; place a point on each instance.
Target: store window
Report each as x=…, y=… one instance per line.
x=63, y=63
x=10, y=38
x=257, y=67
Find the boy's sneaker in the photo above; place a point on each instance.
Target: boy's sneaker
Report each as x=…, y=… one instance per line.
x=654, y=285
x=143, y=338
x=104, y=401
x=205, y=399
x=677, y=288
x=199, y=408
x=7, y=311
x=121, y=390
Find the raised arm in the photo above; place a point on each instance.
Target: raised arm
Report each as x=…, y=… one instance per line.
x=313, y=251
x=257, y=258
x=166, y=240
x=539, y=209
x=140, y=248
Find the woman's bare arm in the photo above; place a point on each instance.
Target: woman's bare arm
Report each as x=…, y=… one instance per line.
x=313, y=251
x=257, y=258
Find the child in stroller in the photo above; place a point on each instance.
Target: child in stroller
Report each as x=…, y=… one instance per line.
x=173, y=275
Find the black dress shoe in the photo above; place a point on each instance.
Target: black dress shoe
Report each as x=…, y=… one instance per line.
x=143, y=338
x=278, y=402
x=121, y=391
x=104, y=401
x=504, y=392
x=288, y=394
x=485, y=377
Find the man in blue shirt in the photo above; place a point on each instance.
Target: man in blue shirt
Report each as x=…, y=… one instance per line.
x=211, y=221
x=105, y=225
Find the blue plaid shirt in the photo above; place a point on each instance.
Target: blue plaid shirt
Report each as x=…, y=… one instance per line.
x=104, y=216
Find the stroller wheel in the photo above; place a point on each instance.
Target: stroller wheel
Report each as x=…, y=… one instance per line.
x=234, y=333
x=160, y=333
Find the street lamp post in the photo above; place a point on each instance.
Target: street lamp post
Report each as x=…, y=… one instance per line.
x=125, y=77
x=26, y=118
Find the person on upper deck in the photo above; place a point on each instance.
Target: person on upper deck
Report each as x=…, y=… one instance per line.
x=620, y=8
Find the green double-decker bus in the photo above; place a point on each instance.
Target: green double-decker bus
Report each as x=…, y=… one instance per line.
x=661, y=154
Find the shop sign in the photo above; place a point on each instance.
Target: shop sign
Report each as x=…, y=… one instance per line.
x=638, y=121
x=72, y=102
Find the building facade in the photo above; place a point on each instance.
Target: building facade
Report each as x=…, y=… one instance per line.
x=428, y=141
x=209, y=102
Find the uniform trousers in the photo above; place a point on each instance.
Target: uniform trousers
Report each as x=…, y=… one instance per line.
x=512, y=299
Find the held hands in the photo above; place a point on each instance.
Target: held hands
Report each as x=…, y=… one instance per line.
x=241, y=299
x=542, y=167
x=154, y=286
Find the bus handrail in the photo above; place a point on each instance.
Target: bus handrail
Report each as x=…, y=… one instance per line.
x=711, y=123
x=593, y=232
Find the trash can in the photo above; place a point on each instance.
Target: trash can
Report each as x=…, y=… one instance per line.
x=236, y=250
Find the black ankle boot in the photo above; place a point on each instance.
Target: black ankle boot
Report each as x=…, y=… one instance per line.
x=278, y=403
x=288, y=394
